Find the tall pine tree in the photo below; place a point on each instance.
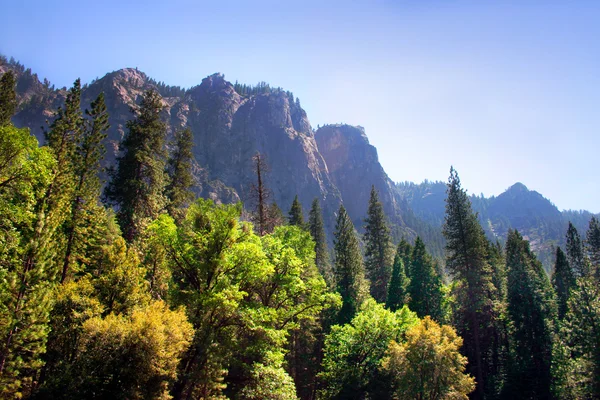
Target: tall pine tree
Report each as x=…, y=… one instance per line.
x=137, y=185
x=592, y=241
x=348, y=268
x=531, y=309
x=398, y=288
x=89, y=154
x=575, y=253
x=378, y=248
x=296, y=216
x=8, y=97
x=181, y=179
x=425, y=287
x=317, y=231
x=563, y=281
x=466, y=259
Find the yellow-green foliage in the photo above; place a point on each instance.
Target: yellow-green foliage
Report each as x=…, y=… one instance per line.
x=130, y=357
x=428, y=364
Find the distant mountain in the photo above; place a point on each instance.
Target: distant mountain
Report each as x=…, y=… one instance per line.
x=534, y=216
x=231, y=122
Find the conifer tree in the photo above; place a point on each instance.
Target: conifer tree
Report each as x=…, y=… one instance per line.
x=27, y=243
x=575, y=254
x=425, y=284
x=89, y=154
x=531, y=309
x=180, y=174
x=317, y=231
x=296, y=217
x=378, y=248
x=348, y=268
x=137, y=185
x=405, y=251
x=466, y=260
x=593, y=245
x=563, y=281
x=8, y=97
x=398, y=288
x=260, y=196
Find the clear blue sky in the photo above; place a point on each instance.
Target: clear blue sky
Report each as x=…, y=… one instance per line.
x=505, y=91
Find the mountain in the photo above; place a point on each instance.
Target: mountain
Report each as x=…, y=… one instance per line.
x=534, y=216
x=336, y=163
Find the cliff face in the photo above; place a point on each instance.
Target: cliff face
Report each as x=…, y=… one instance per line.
x=228, y=128
x=354, y=167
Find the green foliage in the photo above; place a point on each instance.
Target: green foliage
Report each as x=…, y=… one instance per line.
x=353, y=352
x=476, y=316
x=180, y=174
x=428, y=365
x=425, y=286
x=575, y=253
x=128, y=357
x=348, y=268
x=26, y=275
x=8, y=97
x=378, y=248
x=243, y=294
x=137, y=185
x=532, y=311
x=593, y=245
x=563, y=281
x=86, y=214
x=317, y=231
x=398, y=287
x=296, y=216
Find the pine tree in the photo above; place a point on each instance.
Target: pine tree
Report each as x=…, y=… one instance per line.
x=8, y=97
x=405, y=251
x=467, y=261
x=89, y=154
x=531, y=309
x=378, y=248
x=593, y=245
x=349, y=269
x=180, y=174
x=317, y=231
x=398, y=288
x=425, y=284
x=575, y=254
x=563, y=281
x=137, y=185
x=260, y=196
x=296, y=217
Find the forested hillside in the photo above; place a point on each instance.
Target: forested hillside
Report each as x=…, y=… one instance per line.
x=124, y=283
x=527, y=211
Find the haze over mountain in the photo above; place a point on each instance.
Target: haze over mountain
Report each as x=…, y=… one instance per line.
x=336, y=163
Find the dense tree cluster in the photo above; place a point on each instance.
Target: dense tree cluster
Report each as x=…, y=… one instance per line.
x=147, y=292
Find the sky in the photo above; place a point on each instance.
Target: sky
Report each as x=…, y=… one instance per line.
x=505, y=91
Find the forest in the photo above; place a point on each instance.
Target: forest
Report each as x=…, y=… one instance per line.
x=133, y=288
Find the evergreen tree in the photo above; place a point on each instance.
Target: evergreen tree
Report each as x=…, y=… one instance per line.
x=348, y=267
x=593, y=245
x=563, y=281
x=467, y=261
x=27, y=241
x=405, y=251
x=317, y=231
x=575, y=254
x=531, y=310
x=8, y=97
x=265, y=217
x=398, y=288
x=89, y=154
x=296, y=217
x=425, y=284
x=137, y=185
x=378, y=248
x=180, y=174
